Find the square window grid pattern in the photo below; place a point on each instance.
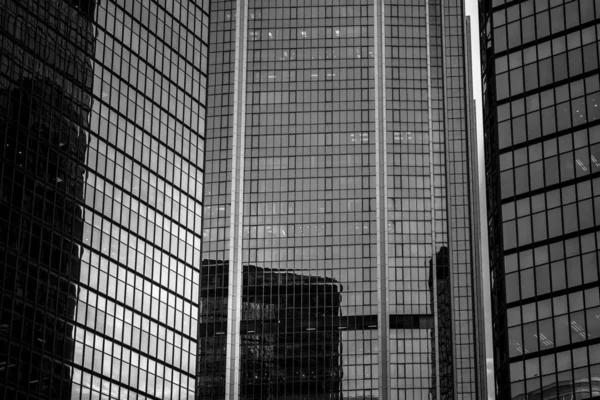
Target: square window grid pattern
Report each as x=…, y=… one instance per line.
x=101, y=171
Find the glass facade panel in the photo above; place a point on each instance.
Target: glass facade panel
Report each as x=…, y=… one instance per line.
x=338, y=253
x=542, y=184
x=102, y=135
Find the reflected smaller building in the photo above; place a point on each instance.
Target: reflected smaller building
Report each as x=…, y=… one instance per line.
x=290, y=347
x=566, y=390
x=443, y=290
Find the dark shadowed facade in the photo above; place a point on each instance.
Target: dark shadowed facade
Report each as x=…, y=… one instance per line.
x=101, y=155
x=542, y=146
x=339, y=139
x=441, y=338
x=291, y=325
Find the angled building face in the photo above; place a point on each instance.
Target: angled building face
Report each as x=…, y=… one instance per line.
x=101, y=155
x=542, y=138
x=338, y=150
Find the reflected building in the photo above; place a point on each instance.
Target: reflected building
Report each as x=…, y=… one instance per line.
x=442, y=331
x=290, y=331
x=339, y=141
x=101, y=155
x=542, y=145
x=43, y=149
x=580, y=389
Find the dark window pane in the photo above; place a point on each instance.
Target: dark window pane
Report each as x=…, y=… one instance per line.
x=548, y=121
x=512, y=286
x=563, y=115
x=575, y=63
x=557, y=16
x=506, y=184
x=514, y=34
x=551, y=170
x=519, y=130
x=542, y=24
x=531, y=76
x=593, y=106
x=578, y=111
x=528, y=32
x=510, y=235
x=530, y=335
x=524, y=231
x=574, y=274
x=567, y=170
x=572, y=14
x=593, y=323
x=560, y=67
x=542, y=278
x=516, y=81
x=562, y=330
x=504, y=134
x=521, y=180
x=515, y=341
x=554, y=224
x=557, y=270
x=502, y=87
x=534, y=127
x=539, y=226
x=546, y=333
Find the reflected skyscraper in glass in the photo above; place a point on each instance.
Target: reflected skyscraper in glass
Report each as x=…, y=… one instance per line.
x=542, y=145
x=101, y=155
x=340, y=241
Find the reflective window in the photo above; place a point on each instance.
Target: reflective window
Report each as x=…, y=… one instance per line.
x=102, y=135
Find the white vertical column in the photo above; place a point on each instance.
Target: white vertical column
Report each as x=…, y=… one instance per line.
x=381, y=200
x=475, y=223
x=234, y=299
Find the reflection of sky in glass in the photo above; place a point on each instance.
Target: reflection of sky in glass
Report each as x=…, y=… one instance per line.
x=137, y=302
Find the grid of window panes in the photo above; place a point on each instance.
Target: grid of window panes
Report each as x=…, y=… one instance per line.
x=217, y=203
x=543, y=186
x=409, y=196
x=114, y=93
x=459, y=198
x=42, y=151
x=444, y=290
x=419, y=167
x=307, y=180
x=138, y=298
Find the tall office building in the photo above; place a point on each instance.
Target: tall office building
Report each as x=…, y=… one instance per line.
x=542, y=146
x=338, y=153
x=101, y=155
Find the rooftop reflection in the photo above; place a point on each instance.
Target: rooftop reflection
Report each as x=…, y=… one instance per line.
x=290, y=329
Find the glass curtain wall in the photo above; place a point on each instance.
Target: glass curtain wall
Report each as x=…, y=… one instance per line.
x=541, y=96
x=102, y=135
x=325, y=119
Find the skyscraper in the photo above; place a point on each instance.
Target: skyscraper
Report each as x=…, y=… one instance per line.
x=338, y=152
x=542, y=148
x=101, y=155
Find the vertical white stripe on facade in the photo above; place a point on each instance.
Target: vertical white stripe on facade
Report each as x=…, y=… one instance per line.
x=234, y=299
x=381, y=200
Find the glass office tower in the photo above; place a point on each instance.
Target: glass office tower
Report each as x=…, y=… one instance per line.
x=338, y=152
x=542, y=146
x=101, y=155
